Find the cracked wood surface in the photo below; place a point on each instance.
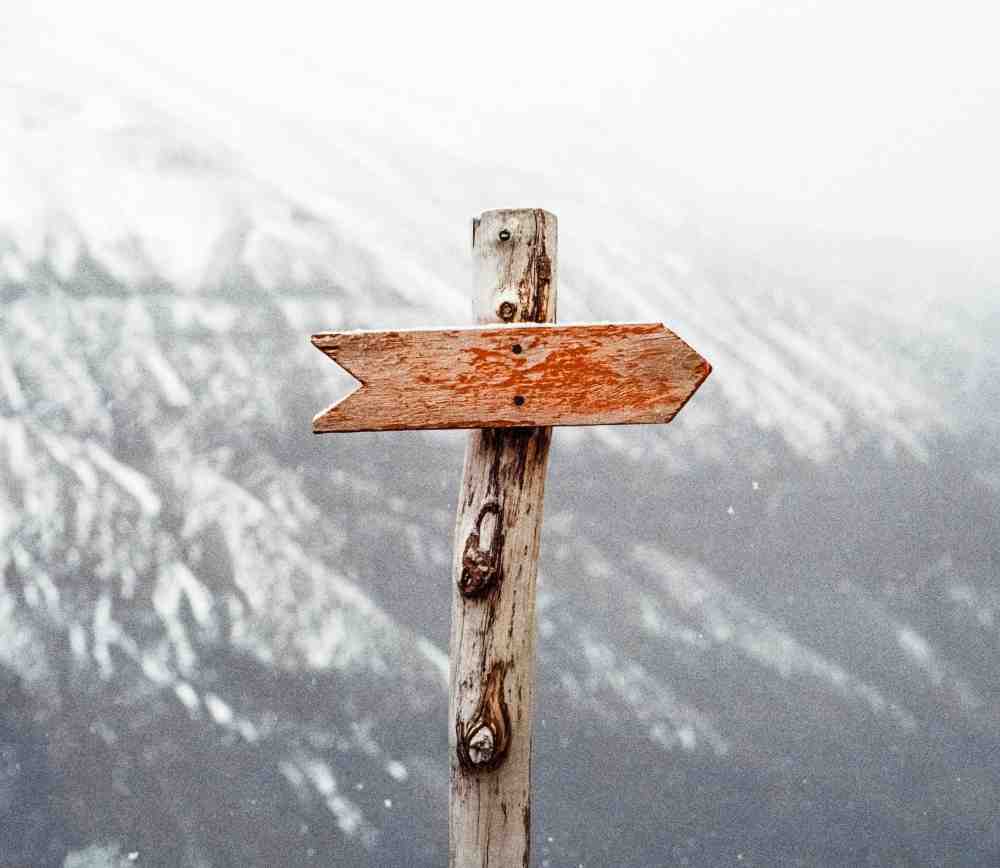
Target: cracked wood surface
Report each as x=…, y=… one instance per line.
x=511, y=376
x=496, y=561
x=512, y=380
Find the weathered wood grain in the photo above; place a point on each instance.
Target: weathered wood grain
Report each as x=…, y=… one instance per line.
x=512, y=380
x=496, y=561
x=511, y=376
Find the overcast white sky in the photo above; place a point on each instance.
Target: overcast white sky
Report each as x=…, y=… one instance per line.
x=865, y=118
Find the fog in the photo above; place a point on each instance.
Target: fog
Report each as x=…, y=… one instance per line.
x=767, y=632
x=851, y=118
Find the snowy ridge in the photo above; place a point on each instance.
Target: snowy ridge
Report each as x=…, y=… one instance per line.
x=215, y=612
x=146, y=201
x=156, y=568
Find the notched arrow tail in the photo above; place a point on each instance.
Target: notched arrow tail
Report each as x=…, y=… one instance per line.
x=332, y=344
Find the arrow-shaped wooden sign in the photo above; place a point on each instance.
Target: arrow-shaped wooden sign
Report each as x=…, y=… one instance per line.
x=510, y=380
x=511, y=377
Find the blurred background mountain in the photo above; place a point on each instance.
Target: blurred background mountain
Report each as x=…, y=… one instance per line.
x=768, y=633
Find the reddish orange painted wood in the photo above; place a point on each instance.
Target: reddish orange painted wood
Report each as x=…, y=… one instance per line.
x=511, y=376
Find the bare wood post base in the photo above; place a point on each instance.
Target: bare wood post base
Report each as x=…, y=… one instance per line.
x=496, y=562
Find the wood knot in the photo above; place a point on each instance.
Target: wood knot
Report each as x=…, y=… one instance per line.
x=482, y=746
x=481, y=566
x=483, y=741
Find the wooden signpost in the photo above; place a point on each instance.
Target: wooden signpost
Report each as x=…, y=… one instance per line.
x=510, y=380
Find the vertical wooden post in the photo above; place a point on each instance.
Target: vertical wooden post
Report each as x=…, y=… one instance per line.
x=496, y=562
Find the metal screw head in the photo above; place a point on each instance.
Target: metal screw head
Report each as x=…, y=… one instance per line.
x=504, y=234
x=507, y=311
x=519, y=400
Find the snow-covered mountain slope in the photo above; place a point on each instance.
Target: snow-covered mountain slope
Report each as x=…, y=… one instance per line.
x=767, y=630
x=208, y=202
